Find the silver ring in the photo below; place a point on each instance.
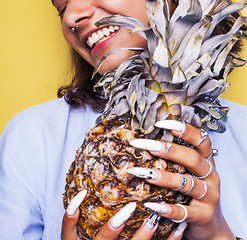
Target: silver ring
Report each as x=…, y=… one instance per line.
x=73, y=29
x=192, y=185
x=182, y=133
x=209, y=171
x=204, y=135
x=185, y=213
x=215, y=152
x=168, y=146
x=183, y=184
x=205, y=191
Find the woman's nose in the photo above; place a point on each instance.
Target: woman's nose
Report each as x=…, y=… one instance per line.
x=78, y=12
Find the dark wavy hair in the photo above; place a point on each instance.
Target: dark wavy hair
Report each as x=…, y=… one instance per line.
x=80, y=91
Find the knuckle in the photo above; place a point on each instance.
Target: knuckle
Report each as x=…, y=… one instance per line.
x=208, y=216
x=217, y=182
x=215, y=197
x=168, y=177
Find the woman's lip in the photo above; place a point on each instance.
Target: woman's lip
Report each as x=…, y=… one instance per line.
x=100, y=45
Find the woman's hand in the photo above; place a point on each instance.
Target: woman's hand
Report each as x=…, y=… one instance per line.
x=71, y=217
x=115, y=225
x=203, y=214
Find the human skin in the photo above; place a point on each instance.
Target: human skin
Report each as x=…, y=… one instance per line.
x=204, y=215
x=86, y=13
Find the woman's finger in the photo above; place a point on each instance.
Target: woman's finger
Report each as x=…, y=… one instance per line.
x=69, y=227
x=194, y=136
x=185, y=183
x=178, y=232
x=197, y=212
x=148, y=228
x=71, y=216
x=115, y=225
x=185, y=156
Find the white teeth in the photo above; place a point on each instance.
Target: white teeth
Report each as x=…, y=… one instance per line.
x=101, y=35
x=112, y=29
x=90, y=42
x=95, y=37
x=106, y=31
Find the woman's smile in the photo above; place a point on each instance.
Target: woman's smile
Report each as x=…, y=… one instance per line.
x=101, y=35
x=94, y=43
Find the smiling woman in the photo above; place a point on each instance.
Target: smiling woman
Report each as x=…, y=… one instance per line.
x=35, y=48
x=38, y=145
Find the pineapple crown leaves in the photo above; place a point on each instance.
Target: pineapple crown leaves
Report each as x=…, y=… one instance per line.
x=184, y=68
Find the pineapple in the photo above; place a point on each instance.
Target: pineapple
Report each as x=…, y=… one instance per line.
x=180, y=77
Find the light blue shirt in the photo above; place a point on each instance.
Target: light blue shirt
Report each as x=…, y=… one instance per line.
x=38, y=146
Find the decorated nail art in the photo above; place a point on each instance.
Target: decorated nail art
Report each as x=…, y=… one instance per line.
x=158, y=207
x=180, y=229
x=123, y=215
x=152, y=221
x=170, y=124
x=142, y=172
x=147, y=144
x=76, y=202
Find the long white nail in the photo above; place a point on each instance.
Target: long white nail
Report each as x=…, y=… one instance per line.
x=147, y=144
x=170, y=124
x=123, y=215
x=180, y=229
x=152, y=221
x=158, y=207
x=142, y=172
x=76, y=202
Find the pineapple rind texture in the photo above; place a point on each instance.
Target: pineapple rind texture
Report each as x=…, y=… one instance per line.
x=180, y=76
x=100, y=167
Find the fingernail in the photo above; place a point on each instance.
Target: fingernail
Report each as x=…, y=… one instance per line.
x=76, y=202
x=142, y=172
x=170, y=124
x=152, y=221
x=158, y=207
x=123, y=215
x=147, y=144
x=180, y=229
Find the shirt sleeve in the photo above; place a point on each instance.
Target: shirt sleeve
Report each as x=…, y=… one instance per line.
x=20, y=213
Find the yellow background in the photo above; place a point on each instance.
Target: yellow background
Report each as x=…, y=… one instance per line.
x=34, y=58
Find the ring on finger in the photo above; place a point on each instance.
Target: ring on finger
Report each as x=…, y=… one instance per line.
x=183, y=183
x=204, y=135
x=205, y=191
x=209, y=171
x=168, y=147
x=185, y=213
x=191, y=187
x=214, y=152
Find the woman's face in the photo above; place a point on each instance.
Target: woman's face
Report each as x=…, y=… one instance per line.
x=93, y=43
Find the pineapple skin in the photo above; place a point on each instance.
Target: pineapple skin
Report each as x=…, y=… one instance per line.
x=100, y=167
